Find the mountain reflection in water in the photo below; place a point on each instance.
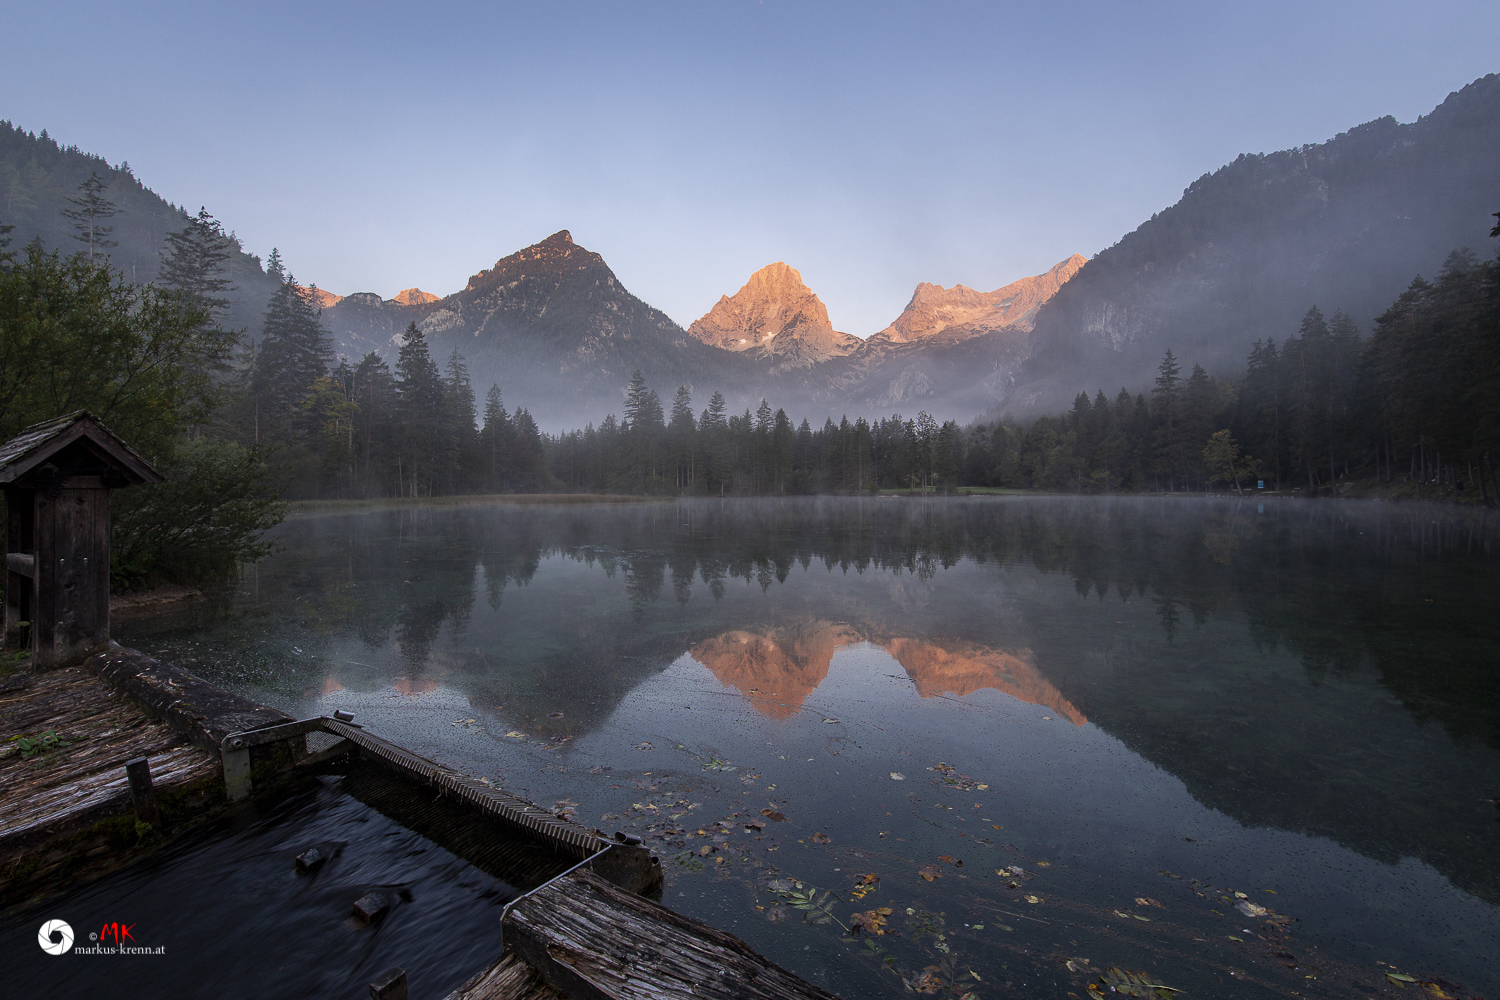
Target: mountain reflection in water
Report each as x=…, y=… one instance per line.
x=1321, y=668
x=778, y=668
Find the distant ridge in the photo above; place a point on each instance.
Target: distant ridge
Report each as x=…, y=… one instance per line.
x=1344, y=225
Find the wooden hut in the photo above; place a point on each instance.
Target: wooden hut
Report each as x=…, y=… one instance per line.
x=57, y=476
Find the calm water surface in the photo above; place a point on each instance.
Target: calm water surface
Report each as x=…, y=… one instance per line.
x=1051, y=736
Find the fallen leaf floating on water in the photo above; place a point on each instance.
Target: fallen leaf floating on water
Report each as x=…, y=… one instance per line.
x=897, y=776
x=1044, y=864
x=821, y=838
x=515, y=735
x=930, y=872
x=1399, y=978
x=871, y=921
x=831, y=722
x=1134, y=984
x=1250, y=909
x=555, y=715
x=644, y=746
x=1148, y=901
x=773, y=815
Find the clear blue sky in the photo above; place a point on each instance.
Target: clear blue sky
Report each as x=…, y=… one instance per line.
x=870, y=145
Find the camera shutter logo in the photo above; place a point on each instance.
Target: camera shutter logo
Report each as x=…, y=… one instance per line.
x=55, y=937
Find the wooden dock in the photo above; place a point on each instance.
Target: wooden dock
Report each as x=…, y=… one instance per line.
x=67, y=808
x=67, y=815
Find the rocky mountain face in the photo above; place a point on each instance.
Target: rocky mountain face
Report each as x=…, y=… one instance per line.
x=775, y=317
x=414, y=297
x=953, y=314
x=551, y=324
x=1345, y=224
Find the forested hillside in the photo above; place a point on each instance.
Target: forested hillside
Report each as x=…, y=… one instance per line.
x=39, y=180
x=1251, y=247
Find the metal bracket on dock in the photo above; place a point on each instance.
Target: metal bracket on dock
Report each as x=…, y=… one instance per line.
x=235, y=749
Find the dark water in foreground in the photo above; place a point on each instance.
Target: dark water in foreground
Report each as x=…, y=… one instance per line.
x=1051, y=730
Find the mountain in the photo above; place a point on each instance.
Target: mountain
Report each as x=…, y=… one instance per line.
x=324, y=298
x=38, y=176
x=551, y=324
x=958, y=313
x=414, y=297
x=1345, y=224
x=776, y=317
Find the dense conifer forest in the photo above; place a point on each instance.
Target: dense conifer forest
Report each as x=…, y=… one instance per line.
x=242, y=419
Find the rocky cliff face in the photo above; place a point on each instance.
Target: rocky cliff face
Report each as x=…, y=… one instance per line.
x=958, y=313
x=774, y=316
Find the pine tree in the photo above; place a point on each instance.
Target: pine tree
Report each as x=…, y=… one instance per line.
x=194, y=262
x=88, y=215
x=374, y=390
x=274, y=267
x=1166, y=401
x=294, y=352
x=495, y=438
x=682, y=430
x=420, y=393
x=460, y=440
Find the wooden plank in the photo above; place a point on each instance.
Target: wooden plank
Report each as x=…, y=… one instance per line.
x=44, y=585
x=593, y=941
x=85, y=780
x=508, y=979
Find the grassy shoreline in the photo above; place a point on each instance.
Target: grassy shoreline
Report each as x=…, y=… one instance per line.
x=296, y=507
x=1348, y=490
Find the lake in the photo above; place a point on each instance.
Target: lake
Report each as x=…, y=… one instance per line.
x=1245, y=747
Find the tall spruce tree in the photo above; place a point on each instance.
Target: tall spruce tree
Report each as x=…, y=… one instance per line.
x=195, y=260
x=1166, y=401
x=421, y=393
x=88, y=213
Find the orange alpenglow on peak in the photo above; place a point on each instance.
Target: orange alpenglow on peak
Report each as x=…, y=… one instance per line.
x=323, y=299
x=959, y=313
x=414, y=297
x=775, y=313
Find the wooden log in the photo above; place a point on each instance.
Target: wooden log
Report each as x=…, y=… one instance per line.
x=189, y=704
x=508, y=979
x=592, y=941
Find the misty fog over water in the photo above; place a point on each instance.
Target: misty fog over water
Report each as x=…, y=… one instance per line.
x=1168, y=700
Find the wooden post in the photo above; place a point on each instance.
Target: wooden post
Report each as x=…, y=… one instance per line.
x=390, y=985
x=142, y=794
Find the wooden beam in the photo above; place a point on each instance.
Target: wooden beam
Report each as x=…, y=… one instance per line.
x=590, y=940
